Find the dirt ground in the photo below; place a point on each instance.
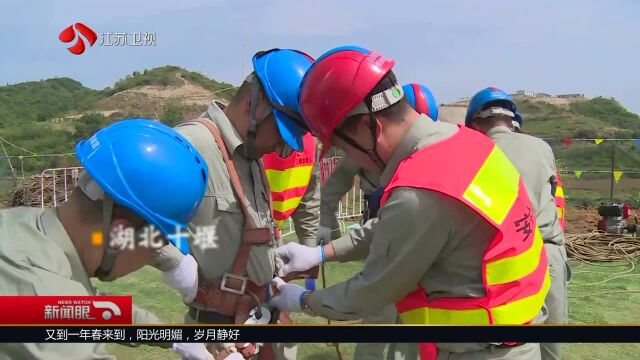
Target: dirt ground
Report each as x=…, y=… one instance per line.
x=582, y=219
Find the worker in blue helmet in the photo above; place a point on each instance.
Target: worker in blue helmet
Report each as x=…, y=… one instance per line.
x=489, y=100
x=234, y=235
x=341, y=180
x=421, y=99
x=494, y=113
x=517, y=122
x=100, y=231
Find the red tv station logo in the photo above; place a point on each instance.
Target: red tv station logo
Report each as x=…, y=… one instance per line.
x=38, y=310
x=70, y=33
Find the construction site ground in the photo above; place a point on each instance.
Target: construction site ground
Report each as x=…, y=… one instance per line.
x=603, y=293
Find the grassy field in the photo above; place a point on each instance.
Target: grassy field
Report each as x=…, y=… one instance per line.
x=587, y=305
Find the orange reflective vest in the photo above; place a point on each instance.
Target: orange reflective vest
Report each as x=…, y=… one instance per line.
x=289, y=178
x=560, y=203
x=514, y=270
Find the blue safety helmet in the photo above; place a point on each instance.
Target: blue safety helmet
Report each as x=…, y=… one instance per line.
x=519, y=119
x=421, y=99
x=487, y=97
x=150, y=169
x=280, y=72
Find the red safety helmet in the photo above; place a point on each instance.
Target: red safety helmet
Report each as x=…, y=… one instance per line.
x=336, y=84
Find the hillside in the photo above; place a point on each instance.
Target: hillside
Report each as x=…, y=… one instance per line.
x=556, y=119
x=59, y=98
x=39, y=101
x=595, y=118
x=49, y=116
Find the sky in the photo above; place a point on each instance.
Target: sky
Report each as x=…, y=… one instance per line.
x=454, y=47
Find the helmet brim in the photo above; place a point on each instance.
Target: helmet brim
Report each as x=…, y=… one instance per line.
x=290, y=132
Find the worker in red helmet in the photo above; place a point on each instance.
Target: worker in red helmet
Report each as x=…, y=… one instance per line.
x=455, y=240
x=341, y=181
x=493, y=112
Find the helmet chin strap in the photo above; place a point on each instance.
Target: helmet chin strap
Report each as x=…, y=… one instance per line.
x=110, y=254
x=373, y=152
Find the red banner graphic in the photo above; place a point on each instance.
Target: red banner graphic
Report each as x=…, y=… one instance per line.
x=98, y=310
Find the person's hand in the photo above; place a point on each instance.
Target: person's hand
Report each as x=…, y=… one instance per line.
x=192, y=351
x=294, y=257
x=323, y=235
x=289, y=296
x=184, y=278
x=239, y=350
x=235, y=356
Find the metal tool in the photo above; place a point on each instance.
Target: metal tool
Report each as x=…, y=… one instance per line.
x=259, y=315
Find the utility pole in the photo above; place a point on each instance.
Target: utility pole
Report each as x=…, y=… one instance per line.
x=613, y=166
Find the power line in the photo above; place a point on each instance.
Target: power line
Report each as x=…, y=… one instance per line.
x=585, y=139
x=599, y=171
x=35, y=155
x=14, y=145
x=225, y=89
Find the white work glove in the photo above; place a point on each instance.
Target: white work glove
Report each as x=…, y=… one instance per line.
x=184, y=278
x=295, y=257
x=235, y=356
x=289, y=295
x=230, y=347
x=192, y=351
x=323, y=235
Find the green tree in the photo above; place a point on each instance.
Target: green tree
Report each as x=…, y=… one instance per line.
x=172, y=115
x=88, y=124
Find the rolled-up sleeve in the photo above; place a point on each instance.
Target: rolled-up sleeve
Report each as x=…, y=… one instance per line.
x=338, y=184
x=356, y=244
x=307, y=215
x=409, y=235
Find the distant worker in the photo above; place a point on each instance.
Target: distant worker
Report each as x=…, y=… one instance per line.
x=559, y=192
x=471, y=219
x=56, y=251
x=493, y=112
x=236, y=260
x=294, y=181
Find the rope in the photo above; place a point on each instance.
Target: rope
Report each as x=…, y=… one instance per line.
x=13, y=171
x=16, y=146
x=34, y=156
x=598, y=249
x=605, y=293
x=324, y=286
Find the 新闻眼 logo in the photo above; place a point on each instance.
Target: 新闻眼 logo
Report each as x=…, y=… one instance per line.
x=73, y=32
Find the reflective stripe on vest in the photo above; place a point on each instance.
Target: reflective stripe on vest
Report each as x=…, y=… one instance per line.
x=514, y=270
x=560, y=202
x=289, y=178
